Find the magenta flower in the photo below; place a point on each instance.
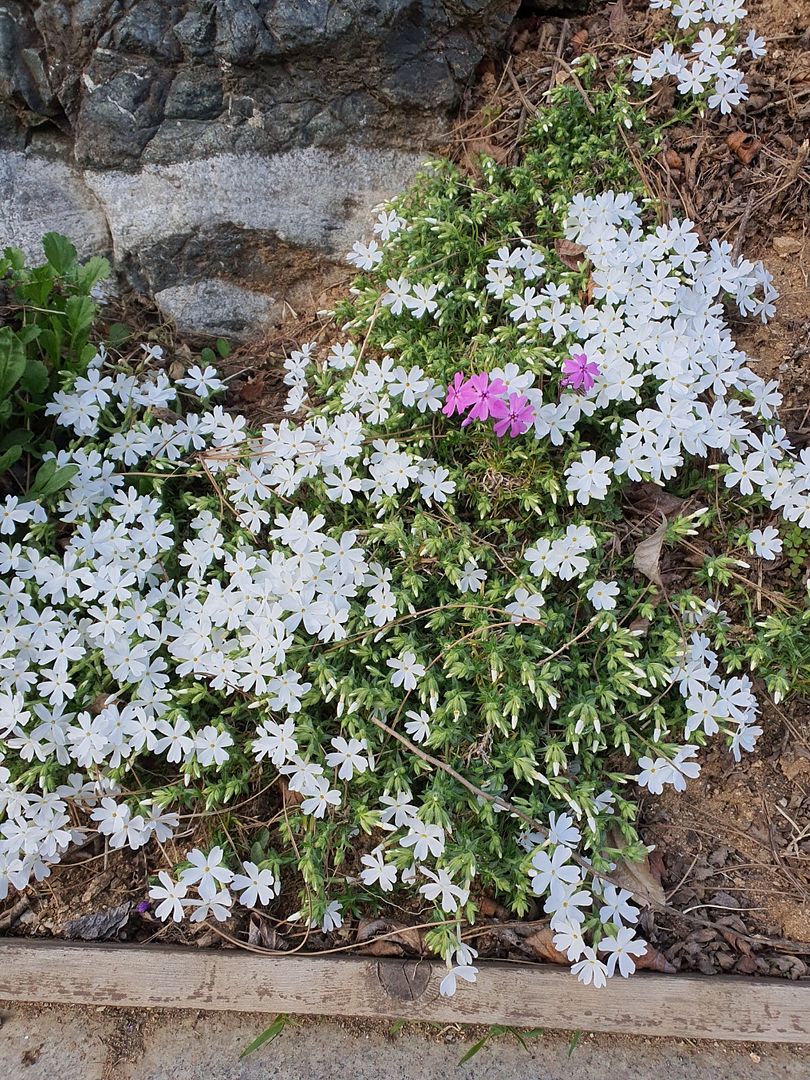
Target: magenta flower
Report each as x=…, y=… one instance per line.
x=579, y=372
x=458, y=397
x=514, y=415
x=482, y=396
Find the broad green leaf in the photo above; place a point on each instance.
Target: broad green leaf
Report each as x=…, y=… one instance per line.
x=90, y=273
x=15, y=257
x=117, y=334
x=18, y=436
x=87, y=354
x=50, y=342
x=29, y=333
x=80, y=312
x=8, y=457
x=45, y=472
x=35, y=378
x=37, y=287
x=59, y=251
x=50, y=479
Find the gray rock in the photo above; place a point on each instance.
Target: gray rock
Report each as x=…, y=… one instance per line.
x=109, y=67
x=23, y=76
x=146, y=30
x=39, y=194
x=119, y=113
x=195, y=94
x=313, y=198
x=308, y=24
x=241, y=36
x=264, y=224
x=208, y=138
x=217, y=308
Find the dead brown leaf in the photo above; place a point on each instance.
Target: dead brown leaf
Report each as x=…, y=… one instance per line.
x=167, y=415
x=673, y=159
x=746, y=965
x=399, y=939
x=541, y=943
x=738, y=943
x=10, y=916
x=648, y=498
x=617, y=20
x=475, y=148
x=579, y=41
x=289, y=798
x=653, y=960
x=261, y=933
x=647, y=556
x=639, y=877
x=491, y=909
x=100, y=925
x=520, y=42
x=498, y=936
x=253, y=389
x=656, y=862
x=569, y=253
x=744, y=146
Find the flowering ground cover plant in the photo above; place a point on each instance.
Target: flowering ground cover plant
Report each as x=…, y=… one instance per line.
x=409, y=621
x=702, y=52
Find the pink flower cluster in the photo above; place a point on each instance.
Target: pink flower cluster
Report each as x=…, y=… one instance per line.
x=481, y=399
x=579, y=372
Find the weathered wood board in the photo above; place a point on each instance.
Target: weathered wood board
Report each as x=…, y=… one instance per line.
x=683, y=1006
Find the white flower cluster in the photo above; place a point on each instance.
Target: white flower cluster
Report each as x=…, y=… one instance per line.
x=661, y=322
x=107, y=601
x=709, y=64
x=714, y=703
x=107, y=639
x=714, y=706
x=38, y=829
x=368, y=256
x=570, y=891
x=655, y=320
x=214, y=883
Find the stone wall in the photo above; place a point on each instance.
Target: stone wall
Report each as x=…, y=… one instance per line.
x=226, y=152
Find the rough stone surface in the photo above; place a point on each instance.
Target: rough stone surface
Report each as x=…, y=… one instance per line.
x=161, y=80
x=217, y=308
x=203, y=124
x=168, y=219
x=39, y=194
x=100, y=1044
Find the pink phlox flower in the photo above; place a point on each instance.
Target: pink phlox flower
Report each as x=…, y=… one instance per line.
x=482, y=394
x=579, y=372
x=458, y=395
x=514, y=415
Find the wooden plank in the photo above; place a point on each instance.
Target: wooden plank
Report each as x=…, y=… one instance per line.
x=684, y=1006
